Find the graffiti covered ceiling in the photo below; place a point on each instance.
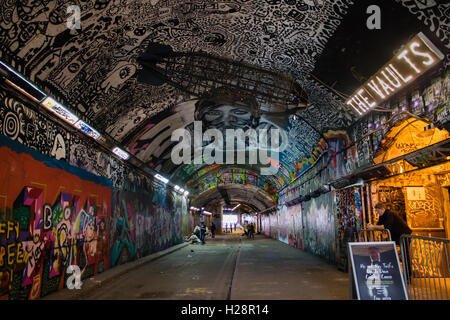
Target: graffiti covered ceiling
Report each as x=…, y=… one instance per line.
x=93, y=70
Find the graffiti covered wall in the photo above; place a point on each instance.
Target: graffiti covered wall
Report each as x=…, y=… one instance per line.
x=348, y=210
x=310, y=226
x=269, y=225
x=53, y=215
x=291, y=225
x=50, y=219
x=64, y=202
x=320, y=231
x=143, y=223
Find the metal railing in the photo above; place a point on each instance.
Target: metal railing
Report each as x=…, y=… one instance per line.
x=425, y=266
x=372, y=235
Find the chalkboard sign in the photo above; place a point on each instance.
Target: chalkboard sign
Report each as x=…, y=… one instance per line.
x=376, y=273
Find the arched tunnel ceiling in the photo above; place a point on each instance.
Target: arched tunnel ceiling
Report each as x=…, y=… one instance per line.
x=217, y=176
x=230, y=194
x=93, y=69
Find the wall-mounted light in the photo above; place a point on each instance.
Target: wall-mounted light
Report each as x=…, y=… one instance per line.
x=88, y=130
x=122, y=154
x=181, y=190
x=17, y=81
x=58, y=109
x=236, y=207
x=68, y=116
x=161, y=178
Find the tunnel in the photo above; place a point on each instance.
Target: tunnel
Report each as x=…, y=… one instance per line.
x=253, y=150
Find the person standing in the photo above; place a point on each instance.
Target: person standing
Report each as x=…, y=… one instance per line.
x=396, y=226
x=202, y=232
x=226, y=227
x=231, y=227
x=390, y=221
x=213, y=230
x=251, y=231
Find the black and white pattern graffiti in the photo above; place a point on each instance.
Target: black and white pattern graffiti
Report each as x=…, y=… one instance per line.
x=92, y=69
x=32, y=129
x=433, y=13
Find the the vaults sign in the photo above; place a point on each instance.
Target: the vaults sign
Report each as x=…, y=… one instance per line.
x=413, y=60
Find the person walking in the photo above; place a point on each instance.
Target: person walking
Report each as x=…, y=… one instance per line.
x=213, y=230
x=202, y=232
x=226, y=227
x=231, y=227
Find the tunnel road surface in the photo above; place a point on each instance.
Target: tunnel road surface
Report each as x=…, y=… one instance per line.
x=231, y=267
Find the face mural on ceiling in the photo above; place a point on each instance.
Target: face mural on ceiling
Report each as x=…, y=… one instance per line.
x=225, y=116
x=153, y=144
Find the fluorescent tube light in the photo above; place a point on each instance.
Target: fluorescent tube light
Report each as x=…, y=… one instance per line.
x=19, y=82
x=161, y=178
x=58, y=109
x=88, y=130
x=124, y=155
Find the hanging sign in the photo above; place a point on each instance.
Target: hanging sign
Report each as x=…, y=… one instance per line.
x=413, y=60
x=375, y=271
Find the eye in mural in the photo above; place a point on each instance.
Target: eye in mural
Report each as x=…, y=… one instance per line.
x=118, y=76
x=227, y=117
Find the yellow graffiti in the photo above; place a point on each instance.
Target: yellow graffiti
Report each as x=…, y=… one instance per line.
x=8, y=226
x=12, y=254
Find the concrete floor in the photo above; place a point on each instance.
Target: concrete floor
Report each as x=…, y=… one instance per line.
x=231, y=267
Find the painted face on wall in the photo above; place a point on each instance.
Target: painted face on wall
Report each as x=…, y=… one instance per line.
x=89, y=232
x=227, y=117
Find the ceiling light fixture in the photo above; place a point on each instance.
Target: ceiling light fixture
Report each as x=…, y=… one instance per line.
x=17, y=81
x=88, y=130
x=161, y=178
x=122, y=154
x=58, y=109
